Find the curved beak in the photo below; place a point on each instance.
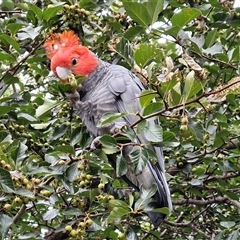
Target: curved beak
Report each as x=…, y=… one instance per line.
x=63, y=73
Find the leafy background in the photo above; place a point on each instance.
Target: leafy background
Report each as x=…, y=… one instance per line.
x=52, y=187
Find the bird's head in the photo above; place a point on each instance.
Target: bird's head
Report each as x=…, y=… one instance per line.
x=68, y=56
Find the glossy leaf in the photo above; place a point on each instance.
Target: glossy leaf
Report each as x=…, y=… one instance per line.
x=6, y=183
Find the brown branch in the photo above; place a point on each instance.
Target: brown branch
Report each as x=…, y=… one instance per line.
x=215, y=60
x=10, y=12
x=224, y=177
x=19, y=213
x=218, y=199
x=15, y=68
x=197, y=99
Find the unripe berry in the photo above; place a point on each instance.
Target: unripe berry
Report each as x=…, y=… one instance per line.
x=68, y=228
x=101, y=186
x=7, y=207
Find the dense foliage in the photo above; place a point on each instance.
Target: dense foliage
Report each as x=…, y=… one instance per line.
x=53, y=187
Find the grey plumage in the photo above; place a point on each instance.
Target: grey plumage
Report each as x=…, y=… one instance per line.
x=113, y=88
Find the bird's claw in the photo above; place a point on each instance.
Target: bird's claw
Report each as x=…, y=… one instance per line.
x=95, y=143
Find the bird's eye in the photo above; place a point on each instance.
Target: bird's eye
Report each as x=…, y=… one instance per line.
x=74, y=61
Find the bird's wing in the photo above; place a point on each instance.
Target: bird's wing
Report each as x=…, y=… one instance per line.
x=127, y=87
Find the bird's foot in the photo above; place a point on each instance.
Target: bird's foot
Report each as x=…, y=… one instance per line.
x=95, y=143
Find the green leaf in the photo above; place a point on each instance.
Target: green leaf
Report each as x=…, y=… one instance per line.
x=14, y=27
x=138, y=12
x=24, y=192
x=7, y=57
x=121, y=165
x=65, y=149
x=109, y=144
x=139, y=157
x=153, y=133
x=109, y=118
x=46, y=107
x=50, y=214
x=196, y=182
x=120, y=208
x=146, y=97
x=76, y=136
x=152, y=108
x=38, y=12
x=20, y=153
x=6, y=183
x=154, y=8
x=51, y=12
x=145, y=53
x=211, y=38
x=124, y=49
x=27, y=117
x=141, y=126
x=59, y=131
x=5, y=223
x=145, y=198
x=181, y=19
x=72, y=172
x=133, y=32
x=163, y=210
x=118, y=203
x=7, y=40
x=189, y=84
x=7, y=5
x=5, y=109
x=228, y=224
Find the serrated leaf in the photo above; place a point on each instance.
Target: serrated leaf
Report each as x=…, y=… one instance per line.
x=50, y=214
x=234, y=235
x=5, y=223
x=145, y=198
x=20, y=153
x=118, y=203
x=153, y=133
x=59, y=131
x=139, y=157
x=76, y=136
x=46, y=107
x=141, y=126
x=109, y=144
x=120, y=208
x=109, y=118
x=72, y=172
x=121, y=165
x=6, y=183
